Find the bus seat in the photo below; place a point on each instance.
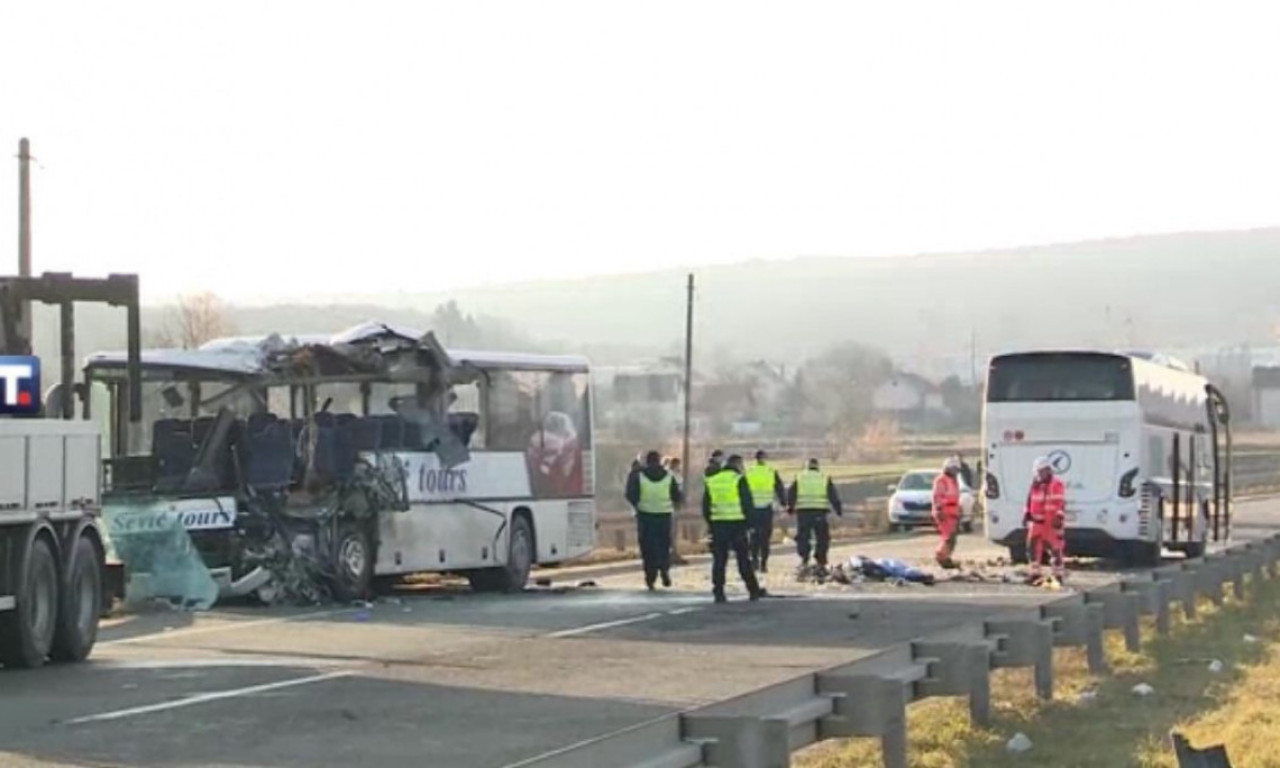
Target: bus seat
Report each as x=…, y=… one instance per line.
x=174, y=450
x=412, y=436
x=392, y=427
x=366, y=434
x=464, y=424
x=269, y=457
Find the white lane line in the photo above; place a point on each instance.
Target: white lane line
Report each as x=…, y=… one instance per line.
x=606, y=625
x=623, y=622
x=230, y=627
x=231, y=661
x=202, y=698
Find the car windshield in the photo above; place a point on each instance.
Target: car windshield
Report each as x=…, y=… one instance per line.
x=916, y=481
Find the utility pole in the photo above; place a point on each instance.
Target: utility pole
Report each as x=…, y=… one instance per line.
x=24, y=230
x=688, y=409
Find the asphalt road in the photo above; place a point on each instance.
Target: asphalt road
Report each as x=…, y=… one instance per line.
x=447, y=678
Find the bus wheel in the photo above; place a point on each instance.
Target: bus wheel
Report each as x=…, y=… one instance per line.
x=26, y=633
x=78, y=610
x=512, y=576
x=353, y=563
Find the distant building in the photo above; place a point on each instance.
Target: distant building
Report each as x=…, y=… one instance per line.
x=909, y=397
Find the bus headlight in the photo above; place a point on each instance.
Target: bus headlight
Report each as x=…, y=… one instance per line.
x=993, y=487
x=1126, y=483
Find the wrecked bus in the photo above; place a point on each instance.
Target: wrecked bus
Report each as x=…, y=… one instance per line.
x=301, y=469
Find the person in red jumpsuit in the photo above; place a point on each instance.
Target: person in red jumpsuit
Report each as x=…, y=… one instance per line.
x=1045, y=519
x=946, y=511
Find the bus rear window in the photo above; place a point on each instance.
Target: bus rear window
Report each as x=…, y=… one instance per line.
x=1059, y=378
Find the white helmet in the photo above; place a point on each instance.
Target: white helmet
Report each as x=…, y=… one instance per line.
x=952, y=464
x=1041, y=464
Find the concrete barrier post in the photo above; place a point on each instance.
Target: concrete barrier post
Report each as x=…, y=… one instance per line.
x=1120, y=611
x=1210, y=576
x=868, y=705
x=957, y=669
x=1153, y=600
x=740, y=741
x=1025, y=643
x=1182, y=579
x=1078, y=624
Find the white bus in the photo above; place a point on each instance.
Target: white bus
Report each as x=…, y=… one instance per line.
x=374, y=453
x=1141, y=443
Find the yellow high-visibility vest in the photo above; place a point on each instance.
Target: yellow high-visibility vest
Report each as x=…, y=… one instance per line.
x=655, y=495
x=760, y=478
x=811, y=490
x=726, y=504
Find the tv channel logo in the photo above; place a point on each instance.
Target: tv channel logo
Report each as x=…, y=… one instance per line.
x=19, y=385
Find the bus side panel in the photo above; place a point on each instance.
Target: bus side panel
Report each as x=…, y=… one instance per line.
x=565, y=529
x=442, y=537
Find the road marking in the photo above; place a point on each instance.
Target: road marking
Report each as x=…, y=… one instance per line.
x=623, y=622
x=272, y=661
x=202, y=698
x=606, y=625
x=224, y=627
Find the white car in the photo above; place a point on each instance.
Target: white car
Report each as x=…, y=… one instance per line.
x=911, y=501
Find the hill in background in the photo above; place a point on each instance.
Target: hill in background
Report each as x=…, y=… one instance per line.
x=1165, y=291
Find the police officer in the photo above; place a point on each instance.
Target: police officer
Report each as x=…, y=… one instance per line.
x=810, y=498
x=766, y=488
x=726, y=502
x=655, y=494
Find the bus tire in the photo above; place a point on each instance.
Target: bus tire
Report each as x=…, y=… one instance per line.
x=515, y=574
x=353, y=562
x=79, y=605
x=26, y=633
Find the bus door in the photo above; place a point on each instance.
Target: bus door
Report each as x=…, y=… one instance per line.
x=1220, y=438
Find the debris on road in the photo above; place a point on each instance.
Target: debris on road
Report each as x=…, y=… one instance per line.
x=1250, y=639
x=1142, y=689
x=1215, y=666
x=1087, y=697
x=859, y=569
x=1018, y=744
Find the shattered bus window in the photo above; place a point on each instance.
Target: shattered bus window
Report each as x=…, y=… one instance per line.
x=160, y=559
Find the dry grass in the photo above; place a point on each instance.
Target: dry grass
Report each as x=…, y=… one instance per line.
x=1239, y=706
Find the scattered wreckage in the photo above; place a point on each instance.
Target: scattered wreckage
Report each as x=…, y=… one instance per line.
x=300, y=469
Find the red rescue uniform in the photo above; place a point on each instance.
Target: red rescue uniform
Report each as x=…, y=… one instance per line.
x=946, y=515
x=1046, y=520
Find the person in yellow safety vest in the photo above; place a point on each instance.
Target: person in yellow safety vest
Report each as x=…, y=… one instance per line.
x=655, y=494
x=726, y=502
x=766, y=488
x=810, y=498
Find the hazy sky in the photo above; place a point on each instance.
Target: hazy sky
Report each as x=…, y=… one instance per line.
x=319, y=147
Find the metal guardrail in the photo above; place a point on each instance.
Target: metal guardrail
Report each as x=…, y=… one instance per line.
x=868, y=698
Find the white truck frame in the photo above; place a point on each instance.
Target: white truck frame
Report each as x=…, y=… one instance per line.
x=53, y=578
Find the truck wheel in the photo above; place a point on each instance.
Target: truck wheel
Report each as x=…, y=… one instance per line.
x=26, y=633
x=512, y=576
x=353, y=563
x=79, y=607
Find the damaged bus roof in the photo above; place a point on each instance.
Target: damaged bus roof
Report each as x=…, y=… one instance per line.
x=247, y=355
